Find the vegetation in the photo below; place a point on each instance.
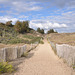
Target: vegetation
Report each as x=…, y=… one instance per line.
x=51, y=31
x=32, y=39
x=15, y=40
x=5, y=67
x=25, y=54
x=40, y=30
x=41, y=42
x=9, y=23
x=22, y=27
x=62, y=38
x=29, y=36
x=73, y=67
x=9, y=34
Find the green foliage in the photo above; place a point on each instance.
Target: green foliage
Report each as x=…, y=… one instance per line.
x=51, y=31
x=16, y=40
x=22, y=27
x=33, y=39
x=36, y=39
x=18, y=26
x=8, y=35
x=9, y=23
x=11, y=40
x=41, y=42
x=27, y=42
x=29, y=36
x=25, y=54
x=40, y=30
x=31, y=31
x=73, y=67
x=0, y=33
x=5, y=67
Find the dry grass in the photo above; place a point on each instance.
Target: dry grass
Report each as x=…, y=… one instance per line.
x=28, y=39
x=63, y=38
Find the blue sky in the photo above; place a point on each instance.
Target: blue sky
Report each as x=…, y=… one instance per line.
x=46, y=14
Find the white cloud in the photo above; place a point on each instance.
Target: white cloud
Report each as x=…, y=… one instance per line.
x=57, y=3
x=46, y=25
x=7, y=18
x=62, y=18
x=26, y=6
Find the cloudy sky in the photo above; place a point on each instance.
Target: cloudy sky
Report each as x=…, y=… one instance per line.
x=46, y=14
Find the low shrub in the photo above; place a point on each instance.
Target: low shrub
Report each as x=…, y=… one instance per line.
x=73, y=67
x=25, y=54
x=5, y=67
x=41, y=42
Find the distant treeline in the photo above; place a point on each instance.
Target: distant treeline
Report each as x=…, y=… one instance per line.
x=51, y=31
x=20, y=27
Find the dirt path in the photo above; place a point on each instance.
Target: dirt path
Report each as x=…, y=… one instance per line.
x=43, y=61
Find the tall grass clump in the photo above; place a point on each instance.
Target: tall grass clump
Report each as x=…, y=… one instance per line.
x=41, y=42
x=25, y=54
x=5, y=67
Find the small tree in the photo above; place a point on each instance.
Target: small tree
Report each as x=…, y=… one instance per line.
x=40, y=30
x=25, y=26
x=18, y=26
x=51, y=31
x=8, y=23
x=22, y=27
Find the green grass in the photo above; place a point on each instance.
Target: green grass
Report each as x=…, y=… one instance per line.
x=29, y=36
x=11, y=40
x=33, y=39
x=5, y=67
x=73, y=67
x=16, y=40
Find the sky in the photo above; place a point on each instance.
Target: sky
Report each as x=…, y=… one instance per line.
x=46, y=14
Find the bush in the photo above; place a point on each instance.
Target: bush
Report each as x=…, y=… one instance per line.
x=25, y=54
x=41, y=42
x=40, y=30
x=73, y=67
x=22, y=27
x=5, y=67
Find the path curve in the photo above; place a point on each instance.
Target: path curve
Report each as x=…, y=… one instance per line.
x=43, y=61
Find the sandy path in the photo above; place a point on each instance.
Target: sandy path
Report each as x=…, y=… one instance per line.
x=43, y=62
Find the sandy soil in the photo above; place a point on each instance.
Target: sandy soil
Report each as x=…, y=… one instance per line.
x=43, y=61
x=62, y=38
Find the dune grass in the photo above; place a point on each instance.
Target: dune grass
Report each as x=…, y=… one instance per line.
x=63, y=38
x=5, y=67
